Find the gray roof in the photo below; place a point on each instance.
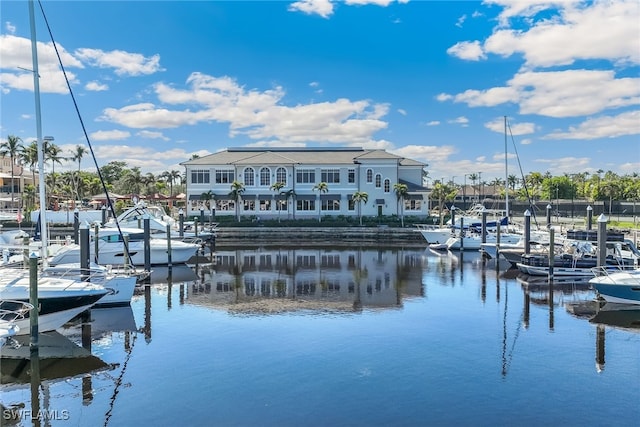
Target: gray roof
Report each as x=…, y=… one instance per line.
x=284, y=155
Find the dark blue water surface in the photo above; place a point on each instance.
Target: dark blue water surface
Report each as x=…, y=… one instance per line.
x=346, y=337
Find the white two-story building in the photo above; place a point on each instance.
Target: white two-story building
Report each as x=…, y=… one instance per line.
x=345, y=171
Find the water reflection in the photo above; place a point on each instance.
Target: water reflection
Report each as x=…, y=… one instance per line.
x=286, y=279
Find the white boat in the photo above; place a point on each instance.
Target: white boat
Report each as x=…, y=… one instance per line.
x=111, y=250
x=622, y=287
x=134, y=216
x=470, y=220
x=10, y=314
x=473, y=241
x=59, y=299
x=119, y=284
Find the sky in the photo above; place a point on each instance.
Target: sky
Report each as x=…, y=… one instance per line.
x=156, y=82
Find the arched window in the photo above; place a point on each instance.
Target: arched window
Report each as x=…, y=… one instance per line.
x=281, y=175
x=265, y=177
x=249, y=176
x=369, y=176
x=387, y=186
x=378, y=180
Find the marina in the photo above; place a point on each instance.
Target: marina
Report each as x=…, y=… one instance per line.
x=341, y=334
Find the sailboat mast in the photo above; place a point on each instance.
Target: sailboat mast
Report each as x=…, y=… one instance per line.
x=36, y=91
x=506, y=170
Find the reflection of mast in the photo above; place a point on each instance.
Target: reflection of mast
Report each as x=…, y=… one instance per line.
x=128, y=348
x=527, y=307
x=506, y=357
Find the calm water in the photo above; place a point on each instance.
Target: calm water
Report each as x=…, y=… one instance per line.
x=353, y=336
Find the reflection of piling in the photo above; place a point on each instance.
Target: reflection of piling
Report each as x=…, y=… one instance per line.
x=147, y=313
x=483, y=288
x=600, y=334
x=33, y=299
x=498, y=232
x=527, y=309
x=87, y=387
x=34, y=375
x=551, y=314
x=181, y=294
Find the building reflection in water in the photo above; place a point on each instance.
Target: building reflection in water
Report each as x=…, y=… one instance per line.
x=286, y=279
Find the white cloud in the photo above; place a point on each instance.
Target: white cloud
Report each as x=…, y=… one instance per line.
x=258, y=115
x=11, y=29
x=433, y=123
x=323, y=8
x=471, y=51
x=17, y=65
x=95, y=86
x=497, y=125
x=402, y=111
x=461, y=20
x=124, y=63
x=459, y=121
x=109, y=135
x=580, y=30
x=567, y=93
x=623, y=124
x=151, y=135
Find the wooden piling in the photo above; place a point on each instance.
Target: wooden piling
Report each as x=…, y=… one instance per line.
x=33, y=299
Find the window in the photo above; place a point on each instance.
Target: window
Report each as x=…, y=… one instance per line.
x=225, y=205
x=281, y=204
x=352, y=205
x=199, y=176
x=369, y=176
x=330, y=205
x=248, y=176
x=225, y=176
x=378, y=180
x=265, y=177
x=412, y=205
x=249, y=205
x=330, y=176
x=305, y=176
x=305, y=205
x=351, y=176
x=387, y=186
x=281, y=175
x=265, y=205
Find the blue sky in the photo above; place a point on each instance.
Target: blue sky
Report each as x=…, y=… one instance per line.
x=159, y=81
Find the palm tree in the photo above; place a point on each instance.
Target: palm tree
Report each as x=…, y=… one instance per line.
x=11, y=147
x=29, y=156
x=76, y=156
x=443, y=193
x=360, y=197
x=52, y=152
x=321, y=187
x=132, y=180
x=401, y=190
x=237, y=188
x=289, y=194
x=277, y=186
